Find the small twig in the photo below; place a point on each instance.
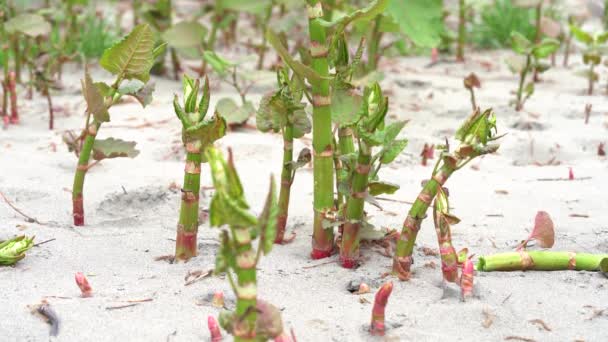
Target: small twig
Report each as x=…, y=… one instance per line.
x=28, y=219
x=541, y=323
x=579, y=215
x=507, y=298
x=495, y=215
x=561, y=179
x=121, y=306
x=518, y=338
x=321, y=264
x=137, y=300
x=43, y=242
x=194, y=276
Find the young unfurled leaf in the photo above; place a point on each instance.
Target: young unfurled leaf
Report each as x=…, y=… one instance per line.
x=300, y=69
x=545, y=48
x=376, y=188
x=267, y=221
x=185, y=34
x=32, y=25
x=301, y=123
x=114, y=148
x=206, y=132
x=95, y=101
x=391, y=150
x=272, y=114
x=477, y=128
x=519, y=43
x=14, y=249
x=581, y=35
x=543, y=232
x=133, y=56
x=218, y=64
x=345, y=107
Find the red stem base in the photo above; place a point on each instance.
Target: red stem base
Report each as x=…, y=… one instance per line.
x=185, y=245
x=348, y=262
x=78, y=211
x=317, y=254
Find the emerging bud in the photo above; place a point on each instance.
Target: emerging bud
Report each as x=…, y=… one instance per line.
x=214, y=329
x=377, y=327
x=218, y=299
x=363, y=288
x=83, y=284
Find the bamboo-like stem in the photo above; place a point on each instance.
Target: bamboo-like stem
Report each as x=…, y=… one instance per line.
x=540, y=261
x=89, y=134
x=323, y=171
x=246, y=294
x=449, y=258
x=187, y=227
x=405, y=245
x=377, y=327
x=519, y=103
x=349, y=249
x=461, y=30
x=286, y=180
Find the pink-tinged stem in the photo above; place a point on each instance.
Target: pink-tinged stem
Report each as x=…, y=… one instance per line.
x=284, y=337
x=12, y=87
x=83, y=284
x=377, y=327
x=214, y=329
x=466, y=279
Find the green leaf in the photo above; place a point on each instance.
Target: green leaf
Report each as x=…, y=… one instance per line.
x=392, y=150
x=130, y=87
x=114, y=148
x=257, y=7
x=477, y=129
x=392, y=131
x=267, y=221
x=272, y=114
x=516, y=63
x=301, y=123
x=375, y=8
x=581, y=35
x=420, y=20
x=224, y=254
x=185, y=34
x=95, y=101
x=132, y=57
x=206, y=131
x=14, y=249
x=233, y=113
x=302, y=70
x=345, y=107
x=32, y=25
x=545, y=48
x=140, y=91
x=601, y=38
x=519, y=43
x=376, y=188
x=217, y=63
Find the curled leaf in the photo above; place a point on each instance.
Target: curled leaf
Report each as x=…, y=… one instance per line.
x=14, y=249
x=543, y=232
x=472, y=81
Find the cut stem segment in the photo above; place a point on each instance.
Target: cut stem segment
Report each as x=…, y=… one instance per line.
x=540, y=261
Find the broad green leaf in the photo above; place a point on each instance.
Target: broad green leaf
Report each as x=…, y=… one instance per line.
x=519, y=43
x=601, y=38
x=267, y=221
x=132, y=57
x=301, y=123
x=95, y=101
x=420, y=20
x=32, y=25
x=545, y=48
x=302, y=70
x=114, y=148
x=233, y=113
x=376, y=188
x=130, y=87
x=345, y=107
x=581, y=35
x=392, y=131
x=217, y=63
x=257, y=7
x=272, y=114
x=185, y=34
x=375, y=8
x=392, y=150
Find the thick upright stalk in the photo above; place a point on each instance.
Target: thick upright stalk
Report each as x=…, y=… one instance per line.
x=540, y=261
x=377, y=327
x=323, y=171
x=81, y=170
x=187, y=226
x=246, y=287
x=461, y=30
x=286, y=179
x=402, y=260
x=449, y=258
x=349, y=250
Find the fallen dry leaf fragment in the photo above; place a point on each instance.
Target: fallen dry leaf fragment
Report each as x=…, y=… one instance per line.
x=543, y=232
x=488, y=318
x=519, y=338
x=540, y=323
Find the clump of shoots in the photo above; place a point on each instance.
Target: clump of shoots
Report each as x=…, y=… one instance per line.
x=476, y=136
x=369, y=131
x=528, y=60
x=377, y=327
x=543, y=232
x=592, y=55
x=198, y=133
x=214, y=329
x=129, y=59
x=470, y=83
x=253, y=319
x=83, y=284
x=14, y=249
x=282, y=111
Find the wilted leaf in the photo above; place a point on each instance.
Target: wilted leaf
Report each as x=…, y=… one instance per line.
x=185, y=34
x=301, y=123
x=376, y=188
x=32, y=25
x=114, y=148
x=217, y=63
x=543, y=231
x=133, y=56
x=95, y=101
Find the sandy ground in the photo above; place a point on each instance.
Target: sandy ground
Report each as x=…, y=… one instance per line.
x=131, y=214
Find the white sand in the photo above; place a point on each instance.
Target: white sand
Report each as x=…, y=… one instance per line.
x=127, y=229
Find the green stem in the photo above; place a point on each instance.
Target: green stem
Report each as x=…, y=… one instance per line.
x=81, y=170
x=266, y=19
x=405, y=245
x=246, y=295
x=461, y=30
x=323, y=171
x=522, y=79
x=286, y=180
x=346, y=146
x=373, y=46
x=540, y=261
x=16, y=56
x=187, y=227
x=537, y=38
x=349, y=250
